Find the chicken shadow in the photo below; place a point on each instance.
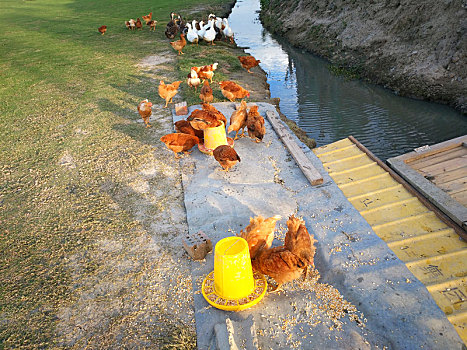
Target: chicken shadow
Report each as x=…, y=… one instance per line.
x=138, y=86
x=108, y=106
x=135, y=127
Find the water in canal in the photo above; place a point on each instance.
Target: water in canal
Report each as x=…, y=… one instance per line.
x=330, y=108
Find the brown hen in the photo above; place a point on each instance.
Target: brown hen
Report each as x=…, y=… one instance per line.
x=219, y=116
x=259, y=233
x=102, y=29
x=145, y=111
x=232, y=91
x=201, y=119
x=226, y=156
x=255, y=124
x=299, y=241
x=138, y=24
x=238, y=120
x=286, y=263
x=147, y=18
x=206, y=72
x=178, y=142
x=206, y=93
x=185, y=127
x=248, y=62
x=179, y=44
x=167, y=92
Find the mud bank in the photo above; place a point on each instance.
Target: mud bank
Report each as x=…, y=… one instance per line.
x=414, y=49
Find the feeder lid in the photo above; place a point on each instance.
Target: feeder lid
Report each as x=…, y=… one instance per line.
x=219, y=302
x=209, y=151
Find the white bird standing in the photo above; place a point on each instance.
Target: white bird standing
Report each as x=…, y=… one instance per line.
x=193, y=25
x=219, y=22
x=191, y=36
x=203, y=29
x=210, y=34
x=228, y=33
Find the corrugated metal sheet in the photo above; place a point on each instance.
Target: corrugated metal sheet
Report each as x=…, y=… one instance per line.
x=431, y=249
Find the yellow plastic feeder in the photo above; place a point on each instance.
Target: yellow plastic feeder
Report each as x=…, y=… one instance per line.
x=233, y=286
x=214, y=137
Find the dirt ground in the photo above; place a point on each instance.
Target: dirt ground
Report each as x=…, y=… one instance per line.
x=141, y=295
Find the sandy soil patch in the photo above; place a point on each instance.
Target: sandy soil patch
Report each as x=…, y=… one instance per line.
x=140, y=294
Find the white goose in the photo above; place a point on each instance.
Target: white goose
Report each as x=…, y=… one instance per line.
x=228, y=33
x=203, y=29
x=219, y=22
x=210, y=34
x=191, y=35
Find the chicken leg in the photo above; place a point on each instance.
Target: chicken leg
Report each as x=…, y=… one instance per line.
x=277, y=288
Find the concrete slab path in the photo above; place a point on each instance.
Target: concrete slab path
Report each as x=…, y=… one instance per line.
x=366, y=298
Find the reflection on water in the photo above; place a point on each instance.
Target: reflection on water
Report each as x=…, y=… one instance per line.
x=329, y=108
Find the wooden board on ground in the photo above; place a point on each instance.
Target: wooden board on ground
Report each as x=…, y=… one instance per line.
x=439, y=172
x=300, y=157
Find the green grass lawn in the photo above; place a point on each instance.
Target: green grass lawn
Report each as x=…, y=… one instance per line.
x=60, y=80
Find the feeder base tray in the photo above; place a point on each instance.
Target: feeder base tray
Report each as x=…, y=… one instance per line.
x=259, y=291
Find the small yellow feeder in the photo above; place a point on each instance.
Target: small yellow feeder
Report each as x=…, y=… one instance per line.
x=233, y=286
x=214, y=137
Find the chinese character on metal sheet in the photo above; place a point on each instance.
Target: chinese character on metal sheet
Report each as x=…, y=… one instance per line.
x=433, y=270
x=454, y=295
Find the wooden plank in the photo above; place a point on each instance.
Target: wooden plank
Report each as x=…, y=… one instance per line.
x=461, y=197
x=456, y=211
x=443, y=167
x=300, y=157
x=449, y=176
x=438, y=158
x=434, y=149
x=455, y=185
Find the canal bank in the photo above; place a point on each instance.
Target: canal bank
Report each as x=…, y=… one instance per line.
x=329, y=107
x=415, y=49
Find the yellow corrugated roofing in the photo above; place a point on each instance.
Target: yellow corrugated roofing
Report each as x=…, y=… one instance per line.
x=431, y=249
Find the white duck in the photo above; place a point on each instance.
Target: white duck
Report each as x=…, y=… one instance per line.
x=203, y=29
x=219, y=22
x=191, y=35
x=210, y=34
x=228, y=33
x=193, y=25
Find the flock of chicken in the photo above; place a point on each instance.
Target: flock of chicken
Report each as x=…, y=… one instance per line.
x=209, y=117
x=190, y=131
x=134, y=25
x=284, y=263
